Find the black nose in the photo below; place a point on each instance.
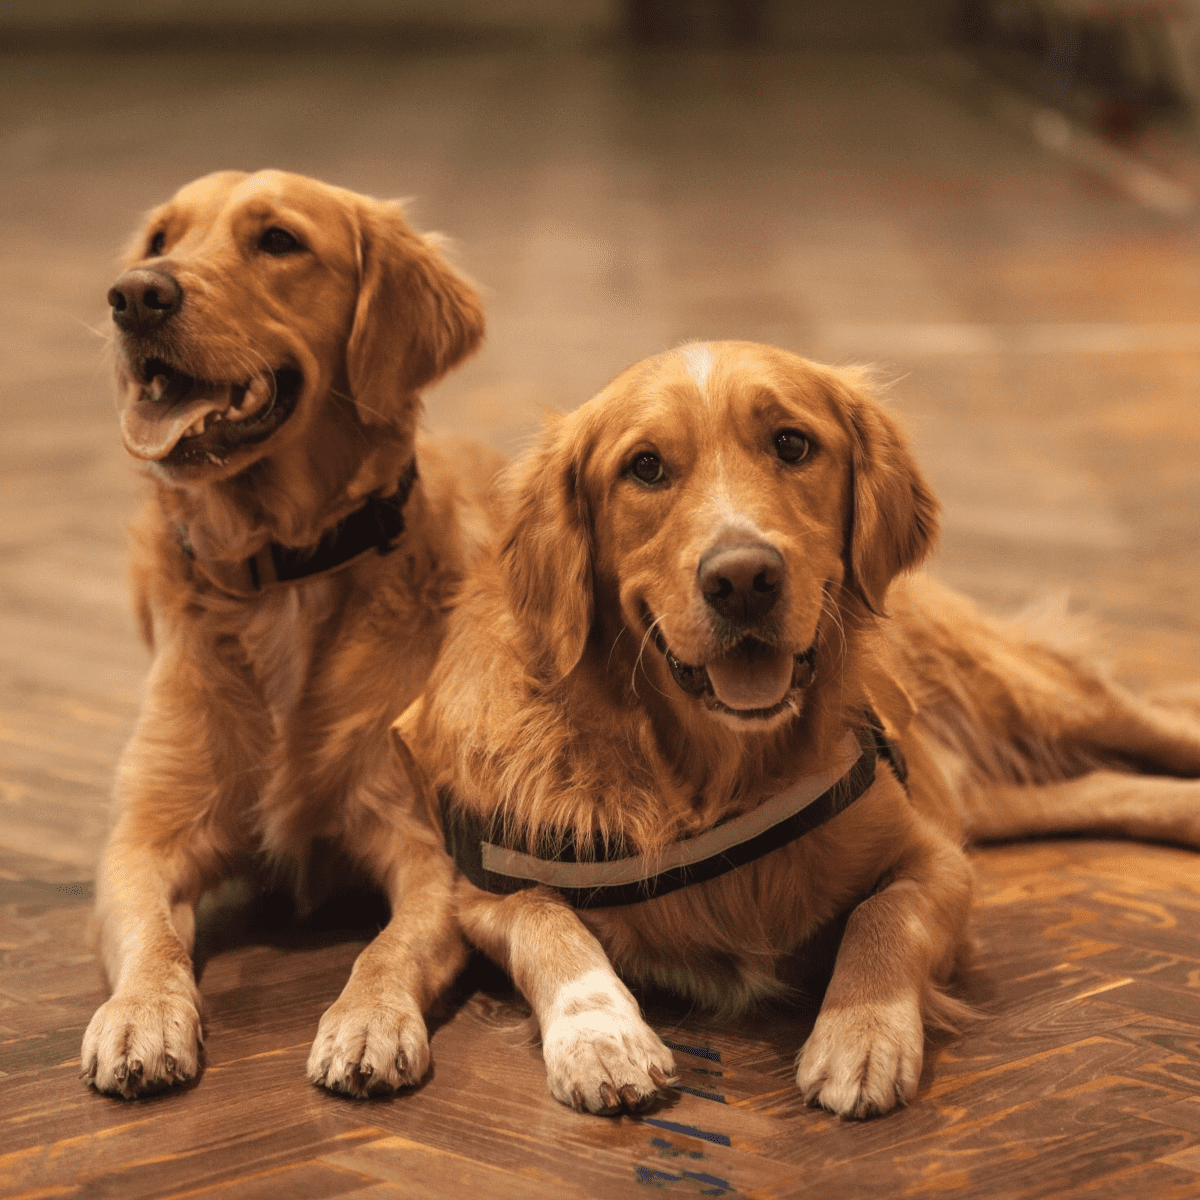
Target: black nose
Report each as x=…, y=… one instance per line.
x=741, y=582
x=142, y=299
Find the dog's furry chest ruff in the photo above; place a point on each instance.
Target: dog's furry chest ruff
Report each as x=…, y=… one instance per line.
x=280, y=641
x=310, y=648
x=293, y=695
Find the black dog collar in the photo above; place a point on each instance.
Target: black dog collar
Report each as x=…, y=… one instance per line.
x=374, y=526
x=608, y=876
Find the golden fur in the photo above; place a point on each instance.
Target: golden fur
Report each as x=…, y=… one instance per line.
x=262, y=741
x=553, y=706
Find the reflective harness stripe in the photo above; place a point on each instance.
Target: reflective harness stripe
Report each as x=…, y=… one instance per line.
x=608, y=877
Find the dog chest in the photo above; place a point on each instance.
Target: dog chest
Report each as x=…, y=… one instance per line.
x=280, y=639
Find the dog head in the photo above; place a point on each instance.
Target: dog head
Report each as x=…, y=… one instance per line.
x=730, y=509
x=258, y=311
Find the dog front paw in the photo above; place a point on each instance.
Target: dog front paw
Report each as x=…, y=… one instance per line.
x=367, y=1050
x=601, y=1057
x=863, y=1060
x=140, y=1043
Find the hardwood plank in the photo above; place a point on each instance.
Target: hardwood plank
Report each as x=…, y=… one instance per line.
x=423, y=1171
x=1175, y=1049
x=1151, y=997
x=1182, y=1114
x=1188, y=1160
x=302, y=1181
x=146, y=1148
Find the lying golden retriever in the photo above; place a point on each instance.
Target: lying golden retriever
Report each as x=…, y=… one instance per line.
x=685, y=718
x=292, y=570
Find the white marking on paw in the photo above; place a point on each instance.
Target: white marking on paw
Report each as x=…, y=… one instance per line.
x=600, y=1055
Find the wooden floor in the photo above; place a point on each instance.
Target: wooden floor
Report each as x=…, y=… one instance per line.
x=1044, y=329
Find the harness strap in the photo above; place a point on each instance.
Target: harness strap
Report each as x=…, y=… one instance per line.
x=608, y=876
x=374, y=526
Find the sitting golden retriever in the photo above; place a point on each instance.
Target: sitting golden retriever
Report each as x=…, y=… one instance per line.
x=685, y=718
x=292, y=570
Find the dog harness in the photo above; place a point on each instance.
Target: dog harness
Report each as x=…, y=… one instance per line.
x=606, y=875
x=374, y=526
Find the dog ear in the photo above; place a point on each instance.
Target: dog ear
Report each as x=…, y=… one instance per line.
x=415, y=317
x=548, y=555
x=893, y=521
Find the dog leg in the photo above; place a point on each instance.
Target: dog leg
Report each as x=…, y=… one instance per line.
x=1151, y=808
x=1078, y=715
x=181, y=790
x=1155, y=738
x=600, y=1055
x=373, y=1039
x=148, y=1035
x=865, y=1052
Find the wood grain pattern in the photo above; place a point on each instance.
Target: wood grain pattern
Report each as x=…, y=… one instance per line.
x=845, y=205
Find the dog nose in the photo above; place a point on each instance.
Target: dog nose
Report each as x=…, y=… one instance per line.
x=741, y=582
x=142, y=299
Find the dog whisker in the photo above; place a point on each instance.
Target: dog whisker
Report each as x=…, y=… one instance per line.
x=615, y=642
x=637, y=662
x=347, y=407
x=357, y=402
x=103, y=334
x=831, y=610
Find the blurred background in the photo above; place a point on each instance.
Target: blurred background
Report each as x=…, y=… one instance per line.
x=995, y=200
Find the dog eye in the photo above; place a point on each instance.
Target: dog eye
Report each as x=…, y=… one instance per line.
x=157, y=242
x=791, y=446
x=278, y=242
x=647, y=468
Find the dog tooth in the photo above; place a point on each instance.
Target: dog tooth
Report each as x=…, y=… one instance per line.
x=244, y=406
x=157, y=388
x=258, y=394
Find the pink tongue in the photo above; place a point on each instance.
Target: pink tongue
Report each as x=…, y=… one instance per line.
x=753, y=676
x=151, y=429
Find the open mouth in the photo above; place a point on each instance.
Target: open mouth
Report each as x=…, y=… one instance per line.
x=753, y=681
x=180, y=420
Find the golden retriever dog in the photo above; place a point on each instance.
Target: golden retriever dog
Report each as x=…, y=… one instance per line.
x=292, y=569
x=688, y=715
